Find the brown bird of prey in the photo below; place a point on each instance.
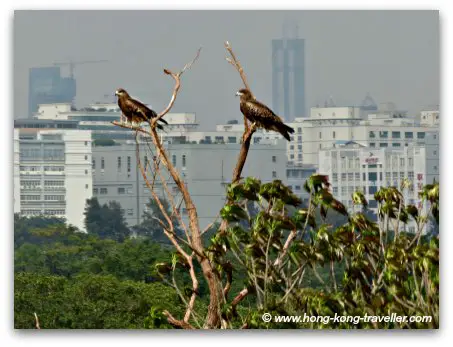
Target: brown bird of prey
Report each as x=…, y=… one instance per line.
x=134, y=110
x=261, y=115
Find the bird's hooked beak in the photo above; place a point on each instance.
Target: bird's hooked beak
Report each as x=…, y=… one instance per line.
x=238, y=93
x=116, y=93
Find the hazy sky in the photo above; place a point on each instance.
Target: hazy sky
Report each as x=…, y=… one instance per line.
x=394, y=55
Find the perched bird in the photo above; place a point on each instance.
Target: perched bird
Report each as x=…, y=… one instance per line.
x=134, y=110
x=258, y=113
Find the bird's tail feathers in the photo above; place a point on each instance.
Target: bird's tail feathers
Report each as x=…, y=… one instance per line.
x=285, y=130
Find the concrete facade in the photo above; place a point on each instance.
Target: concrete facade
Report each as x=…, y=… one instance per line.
x=54, y=175
x=352, y=167
x=384, y=129
x=205, y=168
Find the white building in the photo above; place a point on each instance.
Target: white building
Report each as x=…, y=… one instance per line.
x=54, y=175
x=382, y=129
x=353, y=167
x=16, y=172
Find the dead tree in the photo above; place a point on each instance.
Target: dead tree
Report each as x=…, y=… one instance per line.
x=190, y=247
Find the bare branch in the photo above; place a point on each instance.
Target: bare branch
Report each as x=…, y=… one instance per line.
x=193, y=276
x=235, y=62
x=177, y=323
x=176, y=77
x=213, y=316
x=242, y=294
x=37, y=321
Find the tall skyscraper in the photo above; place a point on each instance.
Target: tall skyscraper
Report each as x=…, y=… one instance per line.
x=46, y=86
x=288, y=74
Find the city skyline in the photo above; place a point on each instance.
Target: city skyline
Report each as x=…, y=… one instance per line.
x=394, y=56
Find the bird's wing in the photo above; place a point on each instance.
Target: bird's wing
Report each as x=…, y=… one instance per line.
x=258, y=111
x=140, y=109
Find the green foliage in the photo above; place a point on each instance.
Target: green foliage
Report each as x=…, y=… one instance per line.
x=87, y=302
x=296, y=261
x=150, y=227
x=106, y=221
x=65, y=252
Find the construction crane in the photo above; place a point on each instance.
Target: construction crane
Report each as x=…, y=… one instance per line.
x=73, y=63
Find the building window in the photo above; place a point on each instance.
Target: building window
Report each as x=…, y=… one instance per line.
x=291, y=147
x=372, y=135
x=320, y=135
x=130, y=212
x=173, y=159
x=274, y=174
x=297, y=187
x=86, y=143
x=396, y=134
x=95, y=191
x=86, y=157
x=102, y=163
x=333, y=134
x=357, y=176
x=372, y=176
x=274, y=159
x=335, y=177
x=409, y=135
x=128, y=164
x=435, y=167
x=383, y=144
x=411, y=161
x=103, y=191
x=93, y=164
x=350, y=176
x=121, y=190
x=384, y=134
x=396, y=144
x=372, y=144
x=184, y=160
x=434, y=152
x=119, y=163
x=299, y=138
x=421, y=135
x=343, y=176
x=232, y=139
x=299, y=147
x=299, y=156
x=86, y=186
x=335, y=190
x=402, y=161
x=320, y=146
x=86, y=172
x=54, y=197
x=291, y=156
